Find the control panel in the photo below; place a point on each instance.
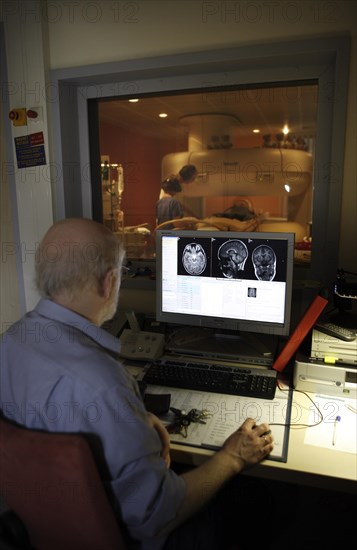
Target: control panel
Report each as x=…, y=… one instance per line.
x=138, y=344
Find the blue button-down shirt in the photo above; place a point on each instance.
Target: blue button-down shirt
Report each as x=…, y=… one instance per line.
x=61, y=373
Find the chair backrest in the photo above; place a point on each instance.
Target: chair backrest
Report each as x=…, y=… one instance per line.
x=52, y=483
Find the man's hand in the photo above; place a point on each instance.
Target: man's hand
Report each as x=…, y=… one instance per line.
x=247, y=446
x=156, y=423
x=250, y=444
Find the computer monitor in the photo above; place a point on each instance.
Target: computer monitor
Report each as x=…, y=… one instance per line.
x=231, y=282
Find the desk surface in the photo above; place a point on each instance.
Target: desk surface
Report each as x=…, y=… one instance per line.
x=306, y=464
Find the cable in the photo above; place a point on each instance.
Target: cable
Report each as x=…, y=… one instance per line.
x=290, y=425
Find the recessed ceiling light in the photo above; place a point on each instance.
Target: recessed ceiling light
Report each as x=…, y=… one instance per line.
x=163, y=115
x=133, y=100
x=256, y=131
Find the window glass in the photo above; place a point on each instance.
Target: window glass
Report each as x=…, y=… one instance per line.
x=253, y=149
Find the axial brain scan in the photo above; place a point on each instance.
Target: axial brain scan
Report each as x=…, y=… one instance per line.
x=232, y=256
x=194, y=259
x=264, y=261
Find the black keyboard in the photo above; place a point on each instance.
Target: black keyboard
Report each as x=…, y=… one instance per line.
x=247, y=382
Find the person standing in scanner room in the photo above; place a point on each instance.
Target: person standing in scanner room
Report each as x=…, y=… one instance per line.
x=167, y=207
x=171, y=186
x=187, y=174
x=57, y=357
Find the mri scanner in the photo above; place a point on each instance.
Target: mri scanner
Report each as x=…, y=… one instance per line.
x=283, y=173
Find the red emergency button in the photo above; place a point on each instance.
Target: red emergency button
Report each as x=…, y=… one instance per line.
x=31, y=113
x=18, y=117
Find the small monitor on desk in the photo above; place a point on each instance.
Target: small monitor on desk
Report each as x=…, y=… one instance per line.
x=229, y=282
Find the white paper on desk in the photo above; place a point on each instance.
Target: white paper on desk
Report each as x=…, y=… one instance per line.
x=322, y=435
x=227, y=413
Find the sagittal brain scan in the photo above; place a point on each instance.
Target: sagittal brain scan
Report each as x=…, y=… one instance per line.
x=232, y=256
x=264, y=261
x=194, y=259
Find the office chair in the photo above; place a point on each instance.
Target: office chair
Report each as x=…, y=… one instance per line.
x=52, y=487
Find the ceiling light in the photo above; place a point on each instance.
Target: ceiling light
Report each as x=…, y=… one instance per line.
x=286, y=130
x=133, y=100
x=163, y=115
x=256, y=131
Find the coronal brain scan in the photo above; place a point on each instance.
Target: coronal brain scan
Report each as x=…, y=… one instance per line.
x=264, y=261
x=232, y=256
x=194, y=259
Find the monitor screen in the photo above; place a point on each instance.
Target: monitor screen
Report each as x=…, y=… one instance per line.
x=225, y=280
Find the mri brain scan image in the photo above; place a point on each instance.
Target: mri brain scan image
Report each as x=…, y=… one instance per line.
x=232, y=256
x=194, y=259
x=264, y=261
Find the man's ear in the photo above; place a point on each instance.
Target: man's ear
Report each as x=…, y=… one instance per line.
x=108, y=282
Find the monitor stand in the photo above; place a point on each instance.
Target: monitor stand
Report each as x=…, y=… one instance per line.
x=245, y=347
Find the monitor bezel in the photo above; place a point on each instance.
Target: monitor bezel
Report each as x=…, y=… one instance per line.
x=235, y=325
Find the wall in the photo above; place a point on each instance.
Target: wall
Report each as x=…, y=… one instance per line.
x=88, y=32
x=112, y=31
x=9, y=291
x=142, y=179
x=30, y=188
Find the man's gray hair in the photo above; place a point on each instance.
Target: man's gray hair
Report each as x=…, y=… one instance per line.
x=75, y=266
